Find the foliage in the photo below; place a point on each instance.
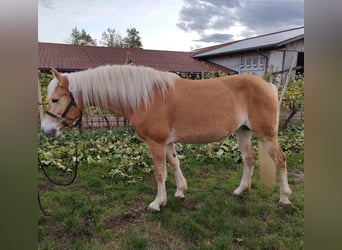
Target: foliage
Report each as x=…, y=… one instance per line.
x=205, y=75
x=57, y=153
x=132, y=40
x=112, y=38
x=44, y=80
x=294, y=95
x=128, y=158
x=293, y=101
x=81, y=37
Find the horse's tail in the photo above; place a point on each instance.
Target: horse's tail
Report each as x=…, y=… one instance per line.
x=267, y=168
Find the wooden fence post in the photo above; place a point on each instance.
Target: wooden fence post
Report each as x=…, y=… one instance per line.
x=286, y=85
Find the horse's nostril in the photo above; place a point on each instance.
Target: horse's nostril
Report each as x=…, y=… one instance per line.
x=51, y=132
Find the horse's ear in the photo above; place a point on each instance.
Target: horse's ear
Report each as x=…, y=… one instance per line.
x=58, y=75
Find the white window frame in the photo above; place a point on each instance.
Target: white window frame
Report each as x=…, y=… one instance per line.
x=242, y=63
x=255, y=61
x=262, y=61
x=248, y=65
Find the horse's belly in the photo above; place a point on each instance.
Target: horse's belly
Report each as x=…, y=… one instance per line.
x=199, y=139
x=197, y=134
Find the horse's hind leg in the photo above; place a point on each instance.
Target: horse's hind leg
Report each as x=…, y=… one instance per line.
x=244, y=141
x=172, y=158
x=272, y=147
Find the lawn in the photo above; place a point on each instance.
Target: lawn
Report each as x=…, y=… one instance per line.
x=106, y=207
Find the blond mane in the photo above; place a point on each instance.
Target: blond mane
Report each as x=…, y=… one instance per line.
x=123, y=86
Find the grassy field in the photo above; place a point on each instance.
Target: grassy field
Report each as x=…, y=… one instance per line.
x=106, y=207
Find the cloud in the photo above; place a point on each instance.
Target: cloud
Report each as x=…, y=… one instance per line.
x=215, y=38
x=208, y=14
x=46, y=4
x=212, y=18
x=264, y=17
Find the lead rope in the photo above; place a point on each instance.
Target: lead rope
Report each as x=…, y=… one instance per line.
x=42, y=167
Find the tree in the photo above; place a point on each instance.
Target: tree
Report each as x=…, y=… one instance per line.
x=111, y=38
x=133, y=39
x=81, y=38
x=293, y=101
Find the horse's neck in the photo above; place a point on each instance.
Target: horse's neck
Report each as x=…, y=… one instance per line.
x=116, y=109
x=93, y=98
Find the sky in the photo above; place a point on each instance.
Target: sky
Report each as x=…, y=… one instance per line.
x=176, y=25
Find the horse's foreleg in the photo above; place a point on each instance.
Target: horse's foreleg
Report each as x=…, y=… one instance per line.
x=172, y=158
x=158, y=152
x=272, y=147
x=244, y=141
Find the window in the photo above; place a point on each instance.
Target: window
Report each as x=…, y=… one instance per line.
x=255, y=62
x=262, y=61
x=248, y=62
x=242, y=63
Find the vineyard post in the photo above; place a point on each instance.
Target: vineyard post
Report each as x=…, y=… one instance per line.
x=286, y=83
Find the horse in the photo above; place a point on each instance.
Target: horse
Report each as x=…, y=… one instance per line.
x=164, y=109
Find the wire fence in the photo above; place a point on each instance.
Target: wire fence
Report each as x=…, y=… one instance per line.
x=104, y=121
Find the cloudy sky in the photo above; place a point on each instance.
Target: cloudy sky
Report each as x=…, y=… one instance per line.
x=169, y=24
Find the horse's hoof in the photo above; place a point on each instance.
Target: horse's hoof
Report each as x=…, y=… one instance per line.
x=284, y=200
x=152, y=210
x=236, y=194
x=285, y=204
x=180, y=195
x=153, y=207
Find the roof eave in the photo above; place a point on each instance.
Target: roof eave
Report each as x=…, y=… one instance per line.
x=293, y=39
x=250, y=49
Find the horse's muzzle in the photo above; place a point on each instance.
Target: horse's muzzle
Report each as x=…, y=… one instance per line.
x=49, y=128
x=50, y=133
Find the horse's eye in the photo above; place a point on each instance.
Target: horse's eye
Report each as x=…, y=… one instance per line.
x=54, y=100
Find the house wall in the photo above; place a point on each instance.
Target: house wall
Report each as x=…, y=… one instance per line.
x=282, y=59
x=231, y=61
x=252, y=62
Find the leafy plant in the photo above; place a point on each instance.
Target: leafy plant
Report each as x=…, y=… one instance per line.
x=128, y=158
x=293, y=101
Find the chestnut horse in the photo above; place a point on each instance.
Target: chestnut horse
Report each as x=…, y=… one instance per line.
x=164, y=109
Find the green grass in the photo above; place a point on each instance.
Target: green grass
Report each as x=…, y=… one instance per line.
x=100, y=211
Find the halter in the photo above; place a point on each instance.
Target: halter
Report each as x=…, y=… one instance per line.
x=62, y=117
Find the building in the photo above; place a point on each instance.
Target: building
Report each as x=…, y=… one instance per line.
x=276, y=50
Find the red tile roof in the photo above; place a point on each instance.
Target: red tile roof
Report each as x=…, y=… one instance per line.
x=66, y=57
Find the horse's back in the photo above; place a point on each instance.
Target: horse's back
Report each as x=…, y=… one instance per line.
x=207, y=110
x=234, y=91
x=201, y=111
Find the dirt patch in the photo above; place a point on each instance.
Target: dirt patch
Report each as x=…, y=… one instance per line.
x=131, y=217
x=135, y=215
x=160, y=238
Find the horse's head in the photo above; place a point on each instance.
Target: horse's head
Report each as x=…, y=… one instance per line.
x=62, y=109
